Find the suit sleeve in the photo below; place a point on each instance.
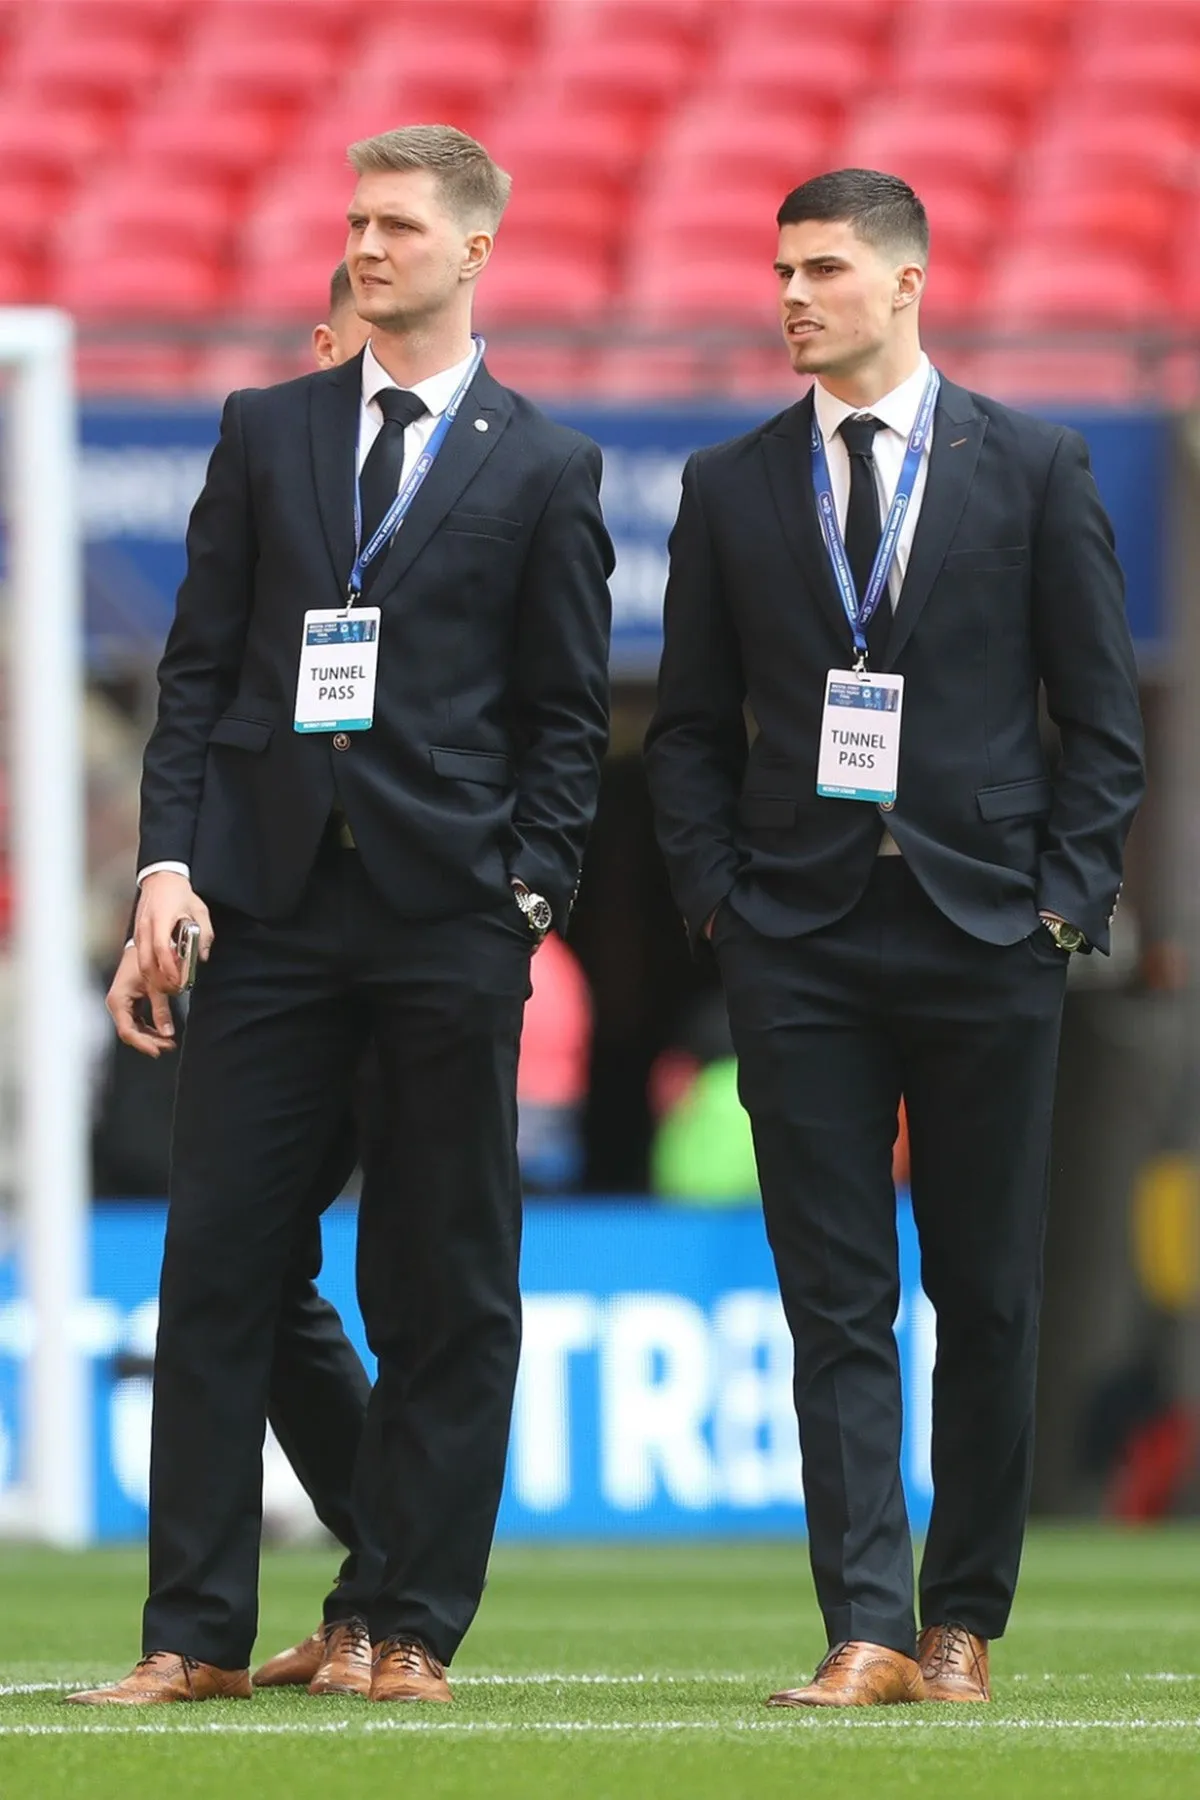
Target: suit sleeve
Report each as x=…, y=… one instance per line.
x=198, y=674
x=1086, y=661
x=562, y=697
x=696, y=747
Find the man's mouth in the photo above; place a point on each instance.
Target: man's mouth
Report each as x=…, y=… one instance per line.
x=798, y=328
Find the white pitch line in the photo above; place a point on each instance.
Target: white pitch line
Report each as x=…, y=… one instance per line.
x=619, y=1728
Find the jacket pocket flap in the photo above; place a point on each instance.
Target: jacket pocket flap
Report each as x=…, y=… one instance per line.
x=1016, y=799
x=483, y=525
x=1011, y=556
x=242, y=734
x=473, y=765
x=766, y=810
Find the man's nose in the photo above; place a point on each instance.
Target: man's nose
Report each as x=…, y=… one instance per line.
x=796, y=292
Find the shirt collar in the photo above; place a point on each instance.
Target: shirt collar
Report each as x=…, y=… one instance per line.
x=437, y=391
x=897, y=410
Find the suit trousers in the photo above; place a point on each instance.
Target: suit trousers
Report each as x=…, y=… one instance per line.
x=278, y=1024
x=831, y=1029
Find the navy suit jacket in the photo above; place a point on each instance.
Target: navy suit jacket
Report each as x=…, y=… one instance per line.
x=1012, y=587
x=491, y=712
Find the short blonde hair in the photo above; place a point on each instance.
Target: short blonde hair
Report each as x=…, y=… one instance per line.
x=475, y=188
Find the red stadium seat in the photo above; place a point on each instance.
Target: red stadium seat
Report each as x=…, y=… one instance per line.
x=304, y=221
x=156, y=285
x=1080, y=373
x=29, y=212
x=683, y=220
x=711, y=140
x=1137, y=220
x=285, y=289
x=19, y=284
x=1126, y=22
x=1148, y=74
x=50, y=143
x=636, y=75
x=1090, y=145
x=963, y=219
x=992, y=72
x=257, y=70
x=583, y=146
x=907, y=134
x=413, y=77
x=953, y=293
x=136, y=210
x=91, y=69
x=861, y=19
x=545, y=211
x=1044, y=288
x=801, y=72
x=1036, y=22
x=703, y=292
x=548, y=289
x=226, y=146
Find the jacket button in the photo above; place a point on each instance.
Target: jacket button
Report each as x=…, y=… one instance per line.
x=341, y=740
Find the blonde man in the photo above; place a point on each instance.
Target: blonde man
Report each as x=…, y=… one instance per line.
x=383, y=705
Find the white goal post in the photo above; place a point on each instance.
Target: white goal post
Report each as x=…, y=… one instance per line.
x=51, y=1500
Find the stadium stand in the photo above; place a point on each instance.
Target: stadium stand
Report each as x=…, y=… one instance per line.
x=182, y=161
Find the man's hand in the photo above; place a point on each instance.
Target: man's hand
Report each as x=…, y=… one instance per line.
x=128, y=988
x=165, y=899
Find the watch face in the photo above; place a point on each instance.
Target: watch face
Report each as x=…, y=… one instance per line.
x=539, y=915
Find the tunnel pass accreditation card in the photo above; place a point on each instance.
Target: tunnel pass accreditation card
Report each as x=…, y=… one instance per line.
x=335, y=690
x=860, y=736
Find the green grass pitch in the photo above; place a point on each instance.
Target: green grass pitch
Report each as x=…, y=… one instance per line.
x=633, y=1673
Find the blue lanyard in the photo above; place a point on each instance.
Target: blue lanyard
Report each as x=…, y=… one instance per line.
x=860, y=612
x=396, y=513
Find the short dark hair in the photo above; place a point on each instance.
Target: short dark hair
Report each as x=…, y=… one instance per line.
x=883, y=210
x=340, y=291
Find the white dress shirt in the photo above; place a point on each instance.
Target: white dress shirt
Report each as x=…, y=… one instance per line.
x=437, y=391
x=897, y=413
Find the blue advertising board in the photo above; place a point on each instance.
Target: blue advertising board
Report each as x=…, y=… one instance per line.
x=655, y=1390
x=143, y=468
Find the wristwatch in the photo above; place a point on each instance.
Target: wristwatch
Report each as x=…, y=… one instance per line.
x=538, y=914
x=1067, y=937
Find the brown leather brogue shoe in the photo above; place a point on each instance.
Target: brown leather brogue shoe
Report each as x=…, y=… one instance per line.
x=163, y=1677
x=346, y=1665
x=954, y=1663
x=404, y=1670
x=858, y=1675
x=295, y=1667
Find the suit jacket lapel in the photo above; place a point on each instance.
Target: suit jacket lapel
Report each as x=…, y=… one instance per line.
x=788, y=454
x=476, y=431
x=335, y=399
x=958, y=430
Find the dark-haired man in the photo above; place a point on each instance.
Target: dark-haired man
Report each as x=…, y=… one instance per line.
x=383, y=705
x=894, y=881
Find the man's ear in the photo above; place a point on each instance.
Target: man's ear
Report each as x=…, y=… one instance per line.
x=910, y=285
x=476, y=251
x=324, y=347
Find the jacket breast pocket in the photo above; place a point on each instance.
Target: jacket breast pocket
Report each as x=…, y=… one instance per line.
x=1030, y=799
x=242, y=734
x=987, y=561
x=483, y=525
x=766, y=812
x=485, y=766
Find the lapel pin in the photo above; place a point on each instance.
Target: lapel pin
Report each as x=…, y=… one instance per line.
x=481, y=424
x=955, y=442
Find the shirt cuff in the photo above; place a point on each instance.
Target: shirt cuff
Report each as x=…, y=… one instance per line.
x=171, y=868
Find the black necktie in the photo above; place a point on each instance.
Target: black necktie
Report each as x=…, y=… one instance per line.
x=862, y=511
x=379, y=482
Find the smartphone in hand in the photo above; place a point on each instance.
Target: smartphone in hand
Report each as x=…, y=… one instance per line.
x=186, y=939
